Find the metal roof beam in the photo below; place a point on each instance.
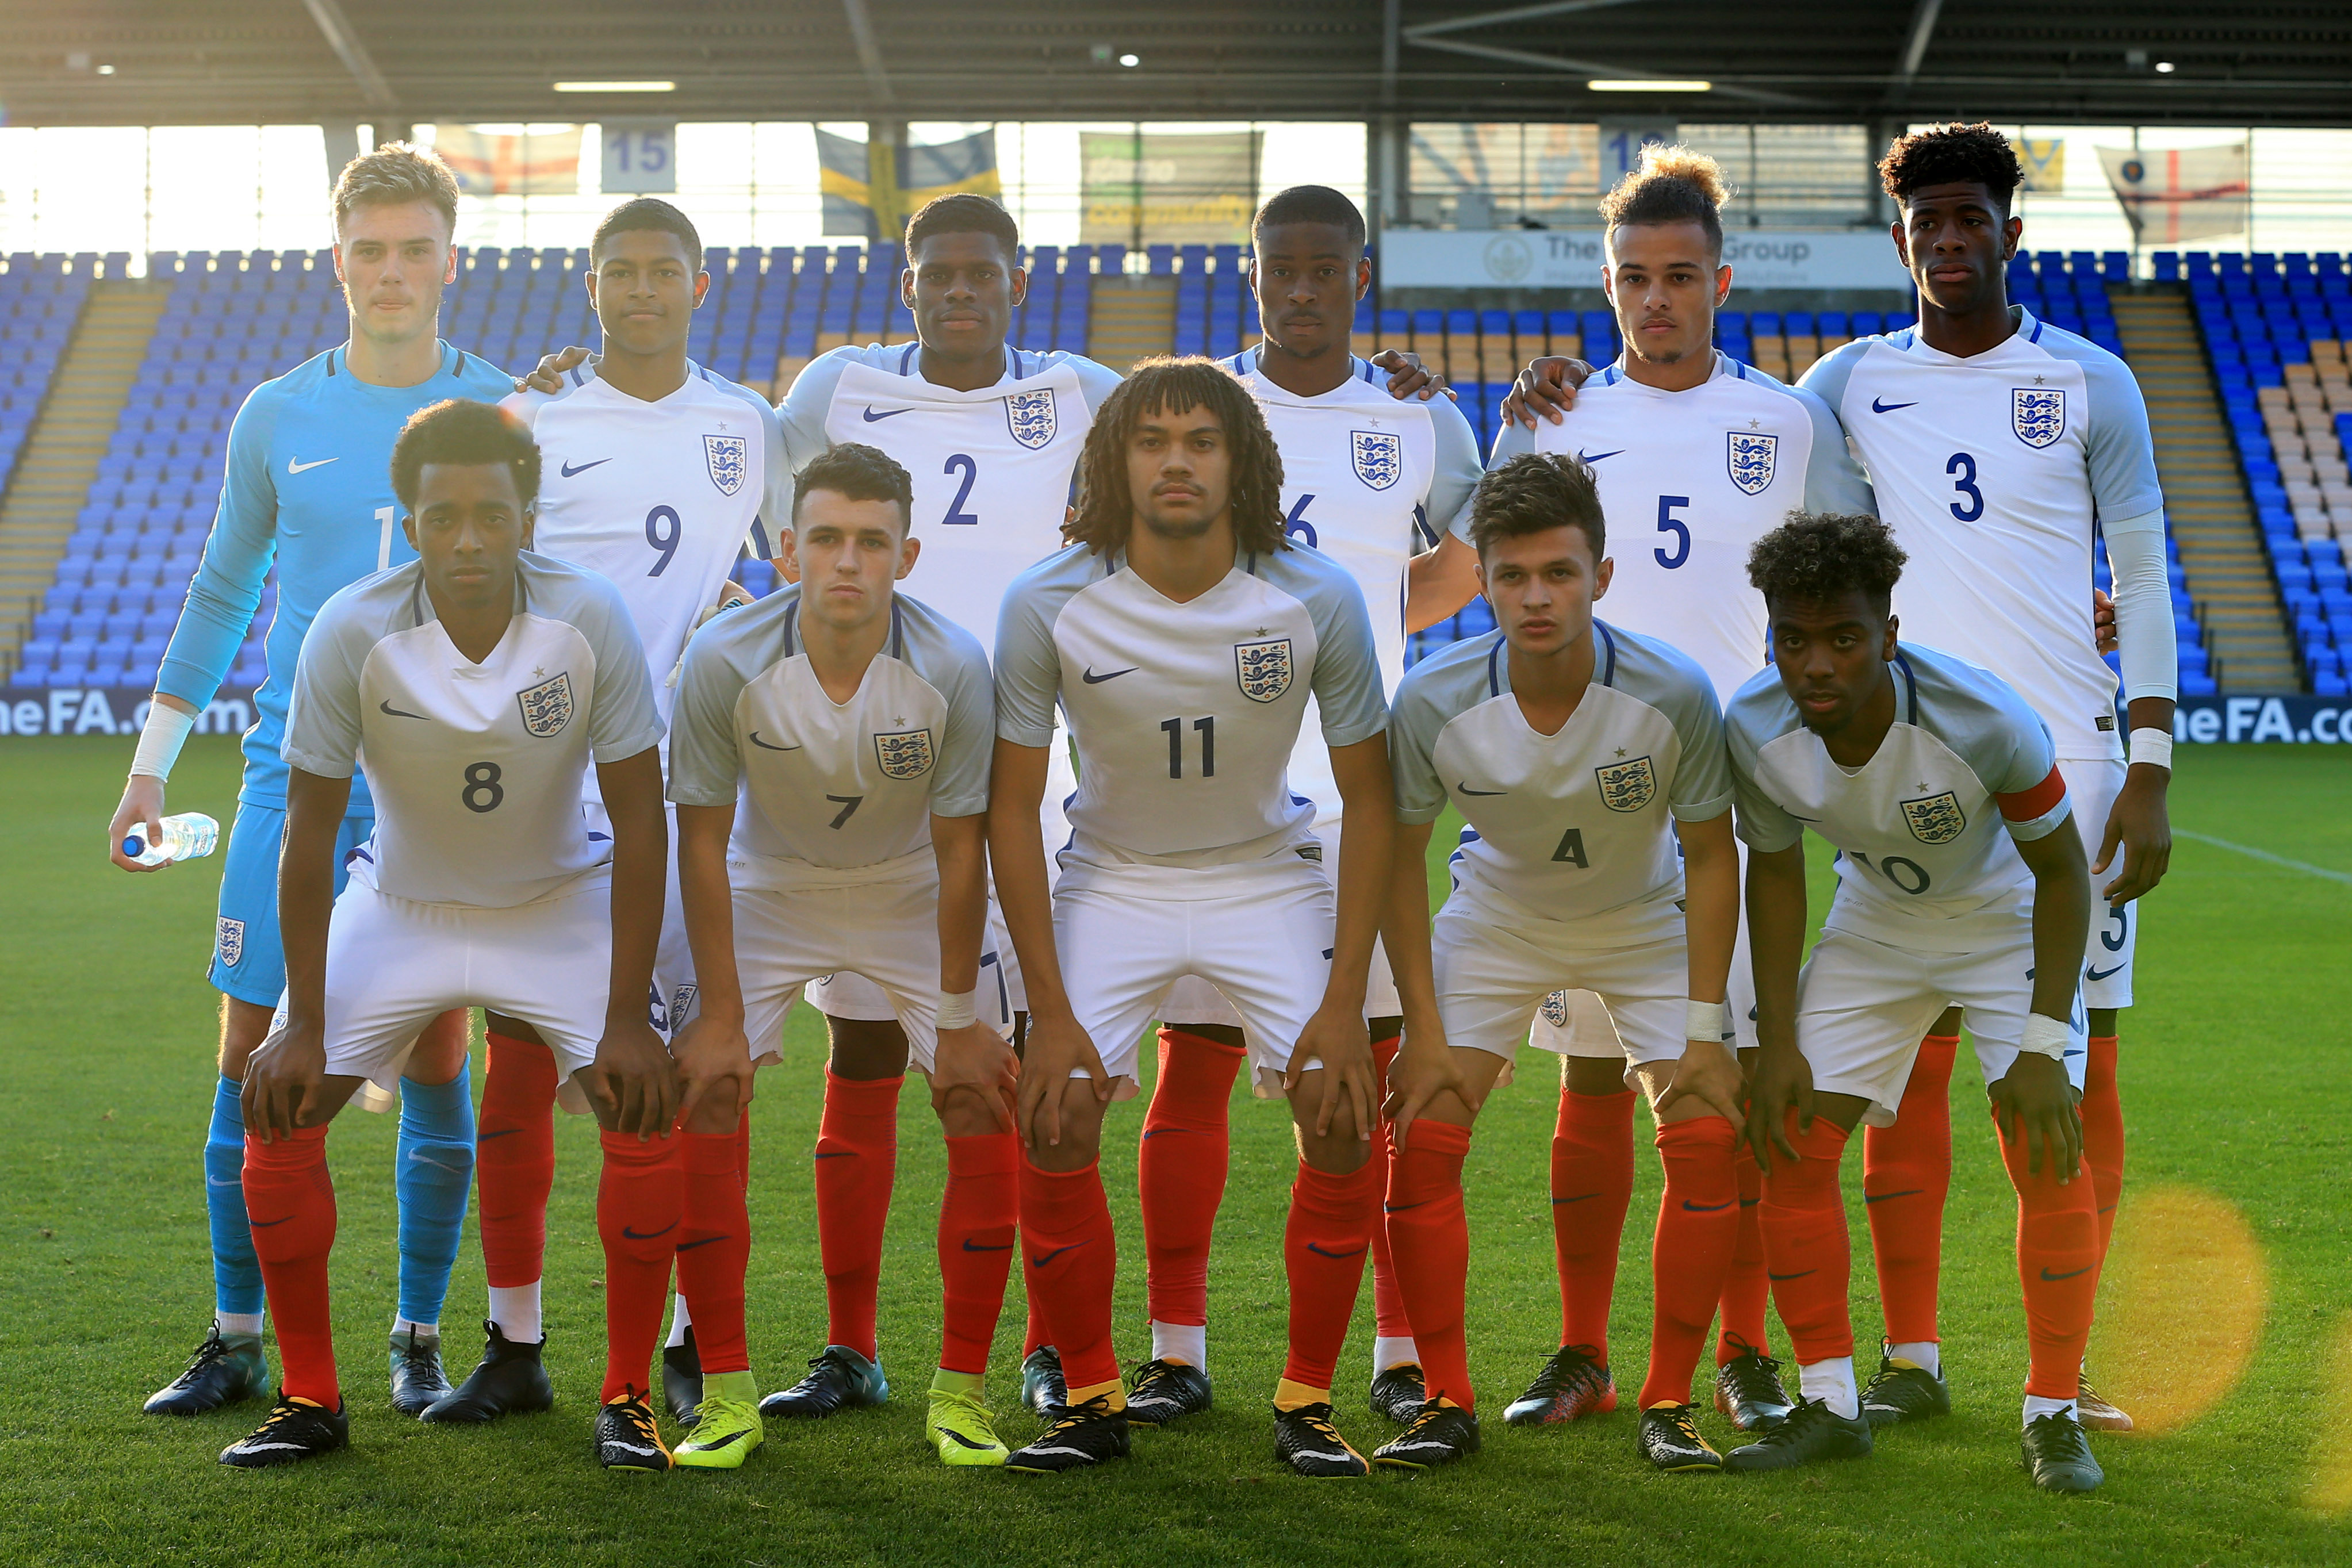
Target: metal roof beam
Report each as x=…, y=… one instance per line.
x=328, y=15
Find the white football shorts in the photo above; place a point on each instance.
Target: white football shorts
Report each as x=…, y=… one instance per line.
x=2093, y=784
x=1260, y=933
x=1567, y=1016
x=1863, y=1007
x=394, y=965
x=1195, y=1001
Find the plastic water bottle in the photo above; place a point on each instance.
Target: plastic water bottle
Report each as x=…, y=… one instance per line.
x=188, y=836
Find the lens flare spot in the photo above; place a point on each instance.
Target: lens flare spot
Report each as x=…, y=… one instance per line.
x=2181, y=1306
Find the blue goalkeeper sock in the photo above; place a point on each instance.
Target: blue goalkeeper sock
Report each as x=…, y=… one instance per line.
x=434, y=1175
x=237, y=1272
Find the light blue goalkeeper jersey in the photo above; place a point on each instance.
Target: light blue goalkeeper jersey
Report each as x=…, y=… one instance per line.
x=308, y=488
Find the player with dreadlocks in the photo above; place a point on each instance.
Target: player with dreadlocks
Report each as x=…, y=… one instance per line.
x=1181, y=636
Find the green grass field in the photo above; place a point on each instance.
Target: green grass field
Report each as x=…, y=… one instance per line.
x=2232, y=1253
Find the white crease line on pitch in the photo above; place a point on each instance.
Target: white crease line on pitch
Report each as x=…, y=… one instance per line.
x=2303, y=866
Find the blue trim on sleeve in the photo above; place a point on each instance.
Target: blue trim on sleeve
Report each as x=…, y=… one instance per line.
x=1494, y=676
x=1911, y=690
x=1608, y=641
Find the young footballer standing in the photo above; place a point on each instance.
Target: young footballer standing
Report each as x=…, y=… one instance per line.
x=830, y=768
x=1944, y=795
x=1582, y=756
x=306, y=494
x=1181, y=636
x=481, y=681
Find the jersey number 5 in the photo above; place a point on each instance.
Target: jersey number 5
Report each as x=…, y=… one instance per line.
x=1670, y=524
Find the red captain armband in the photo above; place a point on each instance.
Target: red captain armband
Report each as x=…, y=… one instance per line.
x=2030, y=805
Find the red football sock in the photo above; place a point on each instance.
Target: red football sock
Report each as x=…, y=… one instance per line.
x=514, y=1159
x=1591, y=1183
x=1180, y=1171
x=1430, y=1241
x=856, y=1160
x=1034, y=1334
x=1390, y=1319
x=1745, y=1288
x=290, y=1201
x=2103, y=1135
x=1907, y=1169
x=713, y=1250
x=2058, y=1263
x=1698, y=1226
x=1073, y=1257
x=976, y=1215
x=640, y=1201
x=1805, y=1243
x=1330, y=1231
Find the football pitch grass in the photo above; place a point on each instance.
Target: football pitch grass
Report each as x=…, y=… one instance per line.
x=2226, y=1312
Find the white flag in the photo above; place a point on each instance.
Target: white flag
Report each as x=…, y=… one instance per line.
x=2181, y=193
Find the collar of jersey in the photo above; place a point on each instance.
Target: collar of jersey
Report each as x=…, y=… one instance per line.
x=910, y=367
x=2030, y=328
x=1246, y=363
x=694, y=373
x=339, y=366
x=1614, y=375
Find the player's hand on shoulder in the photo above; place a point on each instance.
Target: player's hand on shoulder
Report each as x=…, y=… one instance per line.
x=1420, y=1072
x=1783, y=1082
x=1335, y=1037
x=2034, y=1101
x=1547, y=388
x=143, y=804
x=976, y=1061
x=1055, y=1048
x=547, y=376
x=281, y=1082
x=633, y=1082
x=1709, y=1073
x=712, y=1055
x=1408, y=377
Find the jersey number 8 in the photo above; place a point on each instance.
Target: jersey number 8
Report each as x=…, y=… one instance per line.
x=483, y=792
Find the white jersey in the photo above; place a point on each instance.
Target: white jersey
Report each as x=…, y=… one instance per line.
x=833, y=792
x=992, y=469
x=660, y=497
x=1371, y=481
x=1185, y=715
x=1689, y=481
x=1919, y=863
x=1578, y=824
x=477, y=769
x=1991, y=471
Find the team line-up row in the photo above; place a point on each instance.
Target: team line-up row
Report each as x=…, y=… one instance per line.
x=845, y=763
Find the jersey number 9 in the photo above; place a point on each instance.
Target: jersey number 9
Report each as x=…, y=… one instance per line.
x=664, y=540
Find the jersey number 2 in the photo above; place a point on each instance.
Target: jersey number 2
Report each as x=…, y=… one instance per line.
x=963, y=463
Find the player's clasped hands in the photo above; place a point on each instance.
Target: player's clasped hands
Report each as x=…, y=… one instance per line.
x=1709, y=1073
x=1335, y=1037
x=976, y=1061
x=1057, y=1047
x=713, y=1058
x=633, y=1081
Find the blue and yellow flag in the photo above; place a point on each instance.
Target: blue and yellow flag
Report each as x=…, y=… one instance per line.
x=871, y=188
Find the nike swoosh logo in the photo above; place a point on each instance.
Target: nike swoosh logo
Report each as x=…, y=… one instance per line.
x=1881, y=1197
x=266, y=1224
x=1401, y=1208
x=698, y=1241
x=216, y=1181
x=1707, y=1208
x=886, y=413
x=971, y=1245
x=765, y=746
x=501, y=1133
x=422, y=1159
x=648, y=1235
x=950, y=1432
x=1798, y=1275
x=572, y=472
x=630, y=1448
x=1057, y=1253
x=1793, y=814
x=1596, y=456
x=1094, y=680
x=293, y=466
x=728, y=1441
x=836, y=1154
x=399, y=712
x=1467, y=791
x=1320, y=1252
x=1750, y=1202
x=1580, y=1198
x=2102, y=974
x=2054, y=1279
x=1879, y=407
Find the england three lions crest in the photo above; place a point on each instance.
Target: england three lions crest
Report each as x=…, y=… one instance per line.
x=904, y=754
x=1627, y=786
x=1263, y=668
x=1379, y=456
x=2038, y=414
x=228, y=941
x=1030, y=416
x=1936, y=819
x=730, y=458
x=1751, y=460
x=547, y=706
x=1555, y=1009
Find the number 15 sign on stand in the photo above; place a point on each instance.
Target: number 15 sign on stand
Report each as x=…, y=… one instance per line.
x=640, y=156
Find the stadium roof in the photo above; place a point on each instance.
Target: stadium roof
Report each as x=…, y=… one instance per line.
x=176, y=62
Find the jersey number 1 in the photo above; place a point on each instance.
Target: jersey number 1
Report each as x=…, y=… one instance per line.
x=1207, y=730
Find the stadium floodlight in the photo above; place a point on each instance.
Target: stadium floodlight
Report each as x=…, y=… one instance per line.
x=1130, y=61
x=1645, y=84
x=616, y=87
x=2164, y=67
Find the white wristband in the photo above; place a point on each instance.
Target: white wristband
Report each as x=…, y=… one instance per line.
x=2153, y=746
x=2045, y=1036
x=955, y=1009
x=159, y=739
x=1702, y=1020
